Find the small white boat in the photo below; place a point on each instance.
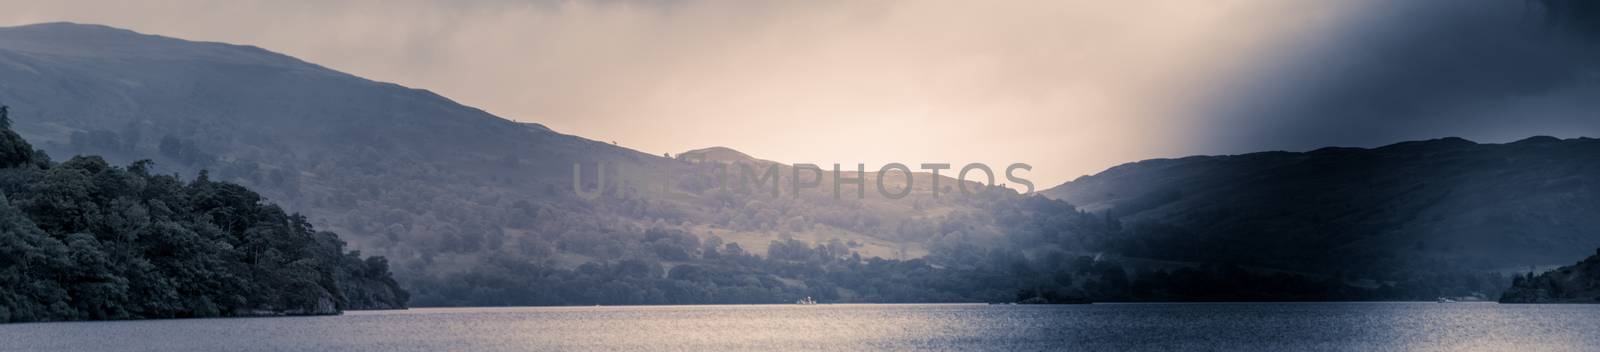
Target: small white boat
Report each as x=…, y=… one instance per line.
x=806, y=302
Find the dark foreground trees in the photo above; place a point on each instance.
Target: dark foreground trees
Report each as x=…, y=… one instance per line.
x=83, y=240
x=1577, y=283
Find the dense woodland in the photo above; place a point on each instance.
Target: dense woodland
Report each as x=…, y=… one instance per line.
x=1577, y=283
x=83, y=240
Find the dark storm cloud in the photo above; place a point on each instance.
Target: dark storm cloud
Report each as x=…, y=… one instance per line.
x=1488, y=70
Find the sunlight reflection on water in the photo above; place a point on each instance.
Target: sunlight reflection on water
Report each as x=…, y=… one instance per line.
x=1153, y=327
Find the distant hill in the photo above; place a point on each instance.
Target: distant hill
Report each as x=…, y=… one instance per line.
x=722, y=155
x=473, y=209
x=1383, y=213
x=438, y=187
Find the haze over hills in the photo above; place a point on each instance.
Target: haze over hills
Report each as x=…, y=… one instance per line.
x=436, y=186
x=473, y=209
x=318, y=140
x=1444, y=202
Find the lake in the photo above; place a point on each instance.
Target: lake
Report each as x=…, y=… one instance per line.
x=1097, y=327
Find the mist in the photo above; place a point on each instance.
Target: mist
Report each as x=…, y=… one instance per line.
x=1489, y=71
x=1070, y=87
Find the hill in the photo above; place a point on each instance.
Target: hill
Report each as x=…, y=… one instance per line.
x=1577, y=283
x=83, y=240
x=439, y=188
x=1390, y=213
x=473, y=209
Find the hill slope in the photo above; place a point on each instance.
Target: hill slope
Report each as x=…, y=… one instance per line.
x=473, y=209
x=1570, y=284
x=83, y=240
x=1577, y=283
x=438, y=187
x=1438, y=205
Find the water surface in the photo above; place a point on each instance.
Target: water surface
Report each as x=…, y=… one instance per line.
x=1098, y=327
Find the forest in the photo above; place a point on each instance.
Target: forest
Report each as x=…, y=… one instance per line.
x=1577, y=283
x=84, y=240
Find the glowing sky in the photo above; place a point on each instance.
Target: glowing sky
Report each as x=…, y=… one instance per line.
x=1069, y=87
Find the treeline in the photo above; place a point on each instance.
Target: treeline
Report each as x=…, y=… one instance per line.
x=1047, y=250
x=716, y=273
x=723, y=274
x=1186, y=269
x=83, y=240
x=1577, y=283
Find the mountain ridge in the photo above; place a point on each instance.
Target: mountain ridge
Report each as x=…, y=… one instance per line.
x=438, y=187
x=44, y=38
x=474, y=209
x=1486, y=205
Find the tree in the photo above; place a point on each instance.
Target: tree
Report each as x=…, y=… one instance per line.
x=86, y=240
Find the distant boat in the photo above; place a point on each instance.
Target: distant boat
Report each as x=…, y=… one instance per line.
x=1446, y=300
x=806, y=302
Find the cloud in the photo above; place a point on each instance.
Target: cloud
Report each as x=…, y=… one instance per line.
x=1492, y=71
x=1070, y=87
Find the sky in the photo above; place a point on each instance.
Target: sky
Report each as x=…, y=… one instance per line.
x=1069, y=87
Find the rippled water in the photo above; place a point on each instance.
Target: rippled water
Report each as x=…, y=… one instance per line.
x=1153, y=327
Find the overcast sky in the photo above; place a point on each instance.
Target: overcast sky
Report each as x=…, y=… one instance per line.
x=1071, y=87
